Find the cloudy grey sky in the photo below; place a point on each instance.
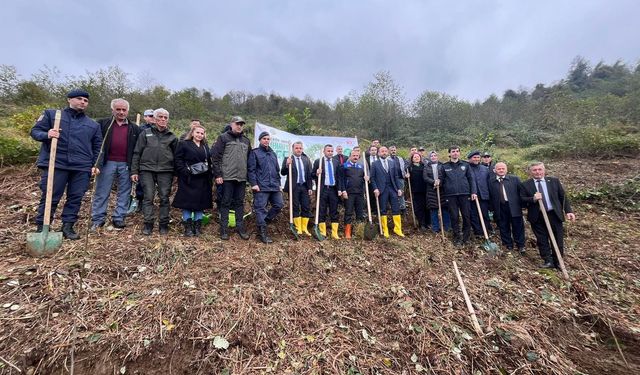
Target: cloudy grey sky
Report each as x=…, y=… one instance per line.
x=322, y=48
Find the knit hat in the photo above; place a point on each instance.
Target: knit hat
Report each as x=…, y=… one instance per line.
x=473, y=153
x=262, y=135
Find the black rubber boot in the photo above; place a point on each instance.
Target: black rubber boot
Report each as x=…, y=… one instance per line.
x=68, y=232
x=163, y=228
x=197, y=226
x=188, y=228
x=147, y=229
x=262, y=234
x=224, y=233
x=242, y=232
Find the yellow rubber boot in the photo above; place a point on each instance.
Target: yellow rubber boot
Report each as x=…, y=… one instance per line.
x=305, y=226
x=323, y=229
x=334, y=231
x=347, y=231
x=297, y=224
x=385, y=226
x=397, y=225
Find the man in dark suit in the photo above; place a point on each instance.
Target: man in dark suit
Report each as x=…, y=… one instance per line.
x=386, y=181
x=302, y=186
x=331, y=179
x=549, y=190
x=504, y=192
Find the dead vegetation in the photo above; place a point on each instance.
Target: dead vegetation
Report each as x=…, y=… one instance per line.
x=128, y=304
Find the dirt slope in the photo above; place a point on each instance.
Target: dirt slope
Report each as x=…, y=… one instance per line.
x=127, y=304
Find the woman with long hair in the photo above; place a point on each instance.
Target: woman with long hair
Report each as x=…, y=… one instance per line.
x=193, y=168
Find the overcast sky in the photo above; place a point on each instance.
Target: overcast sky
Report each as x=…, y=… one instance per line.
x=321, y=48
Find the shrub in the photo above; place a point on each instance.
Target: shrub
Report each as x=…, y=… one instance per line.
x=14, y=151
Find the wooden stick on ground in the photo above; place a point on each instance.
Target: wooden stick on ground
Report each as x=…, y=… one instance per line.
x=472, y=313
x=553, y=240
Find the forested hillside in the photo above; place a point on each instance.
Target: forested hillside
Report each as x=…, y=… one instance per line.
x=595, y=108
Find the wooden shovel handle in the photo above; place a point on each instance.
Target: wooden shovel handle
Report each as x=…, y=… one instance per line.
x=50, y=171
x=553, y=240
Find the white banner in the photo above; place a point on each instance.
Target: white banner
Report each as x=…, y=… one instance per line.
x=313, y=144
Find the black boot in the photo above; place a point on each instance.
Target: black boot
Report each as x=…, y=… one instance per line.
x=197, y=225
x=224, y=232
x=39, y=228
x=68, y=232
x=242, y=232
x=188, y=228
x=163, y=228
x=147, y=229
x=262, y=234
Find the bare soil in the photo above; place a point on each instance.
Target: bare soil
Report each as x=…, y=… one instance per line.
x=126, y=303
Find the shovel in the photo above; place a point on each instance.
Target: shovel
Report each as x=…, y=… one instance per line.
x=133, y=202
x=440, y=213
x=292, y=226
x=413, y=212
x=370, y=232
x=553, y=240
x=316, y=228
x=45, y=242
x=490, y=247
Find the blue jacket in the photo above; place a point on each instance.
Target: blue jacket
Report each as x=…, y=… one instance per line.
x=378, y=176
x=263, y=169
x=480, y=175
x=79, y=142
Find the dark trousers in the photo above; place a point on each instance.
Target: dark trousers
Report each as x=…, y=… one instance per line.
x=152, y=181
x=75, y=182
x=328, y=204
x=475, y=218
x=354, y=203
x=260, y=201
x=301, y=201
x=419, y=202
x=389, y=196
x=511, y=228
x=232, y=199
x=139, y=191
x=543, y=241
x=459, y=205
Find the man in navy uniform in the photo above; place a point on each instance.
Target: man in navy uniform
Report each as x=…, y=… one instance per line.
x=79, y=140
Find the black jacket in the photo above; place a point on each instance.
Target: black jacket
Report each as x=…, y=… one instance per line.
x=512, y=186
x=308, y=176
x=353, y=178
x=194, y=191
x=263, y=169
x=432, y=194
x=154, y=151
x=106, y=125
x=418, y=184
x=557, y=195
x=456, y=179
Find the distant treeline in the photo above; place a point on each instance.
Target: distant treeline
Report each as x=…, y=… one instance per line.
x=589, y=97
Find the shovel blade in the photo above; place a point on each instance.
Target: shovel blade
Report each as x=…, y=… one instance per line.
x=490, y=247
x=43, y=243
x=370, y=231
x=133, y=206
x=293, y=229
x=316, y=233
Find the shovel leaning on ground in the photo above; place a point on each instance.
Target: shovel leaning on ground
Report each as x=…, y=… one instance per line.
x=133, y=202
x=46, y=242
x=490, y=247
x=370, y=231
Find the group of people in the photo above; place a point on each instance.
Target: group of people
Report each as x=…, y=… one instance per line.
x=118, y=151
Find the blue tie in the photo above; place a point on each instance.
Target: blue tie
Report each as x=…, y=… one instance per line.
x=300, y=171
x=330, y=172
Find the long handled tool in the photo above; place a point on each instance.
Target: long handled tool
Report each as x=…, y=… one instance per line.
x=467, y=300
x=490, y=247
x=46, y=242
x=553, y=240
x=370, y=231
x=316, y=227
x=413, y=212
x=379, y=218
x=440, y=213
x=292, y=226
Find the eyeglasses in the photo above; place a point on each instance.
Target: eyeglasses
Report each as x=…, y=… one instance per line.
x=239, y=123
x=148, y=115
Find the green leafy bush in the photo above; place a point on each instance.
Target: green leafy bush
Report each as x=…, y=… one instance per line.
x=14, y=151
x=23, y=121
